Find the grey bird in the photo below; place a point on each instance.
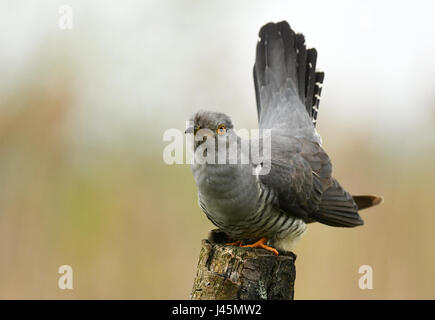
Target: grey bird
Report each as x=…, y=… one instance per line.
x=272, y=210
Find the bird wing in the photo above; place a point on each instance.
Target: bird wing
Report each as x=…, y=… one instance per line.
x=287, y=90
x=299, y=173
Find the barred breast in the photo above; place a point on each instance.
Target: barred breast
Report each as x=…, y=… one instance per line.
x=282, y=229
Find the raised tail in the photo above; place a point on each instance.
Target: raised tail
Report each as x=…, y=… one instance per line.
x=282, y=56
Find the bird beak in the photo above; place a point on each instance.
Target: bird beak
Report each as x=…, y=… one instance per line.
x=189, y=130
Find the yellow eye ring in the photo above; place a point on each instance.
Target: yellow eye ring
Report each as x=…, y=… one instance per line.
x=196, y=129
x=221, y=130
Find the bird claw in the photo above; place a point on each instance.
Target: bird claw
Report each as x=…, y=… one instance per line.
x=237, y=243
x=262, y=244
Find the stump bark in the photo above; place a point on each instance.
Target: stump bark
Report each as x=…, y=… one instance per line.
x=233, y=273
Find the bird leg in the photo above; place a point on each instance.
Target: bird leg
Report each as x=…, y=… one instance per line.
x=262, y=244
x=237, y=243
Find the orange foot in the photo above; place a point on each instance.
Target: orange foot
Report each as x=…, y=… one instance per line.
x=262, y=244
x=237, y=243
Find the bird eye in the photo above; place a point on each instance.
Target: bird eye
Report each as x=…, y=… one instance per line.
x=221, y=129
x=196, y=129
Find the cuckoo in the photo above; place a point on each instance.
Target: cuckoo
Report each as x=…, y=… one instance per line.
x=272, y=210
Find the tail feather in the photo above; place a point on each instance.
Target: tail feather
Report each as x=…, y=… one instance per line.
x=316, y=95
x=301, y=51
x=282, y=55
x=367, y=201
x=310, y=79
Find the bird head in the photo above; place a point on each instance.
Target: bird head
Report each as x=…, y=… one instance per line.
x=209, y=124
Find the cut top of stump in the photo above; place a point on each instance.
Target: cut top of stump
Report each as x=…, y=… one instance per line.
x=228, y=272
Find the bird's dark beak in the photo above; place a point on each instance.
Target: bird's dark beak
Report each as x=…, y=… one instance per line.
x=189, y=130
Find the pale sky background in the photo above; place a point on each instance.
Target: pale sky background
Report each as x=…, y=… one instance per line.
x=143, y=63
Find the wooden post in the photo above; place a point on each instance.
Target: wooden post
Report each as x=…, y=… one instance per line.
x=232, y=273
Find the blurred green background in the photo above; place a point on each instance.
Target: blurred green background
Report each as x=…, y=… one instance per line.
x=82, y=116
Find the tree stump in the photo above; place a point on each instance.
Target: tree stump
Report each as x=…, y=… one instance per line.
x=233, y=273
